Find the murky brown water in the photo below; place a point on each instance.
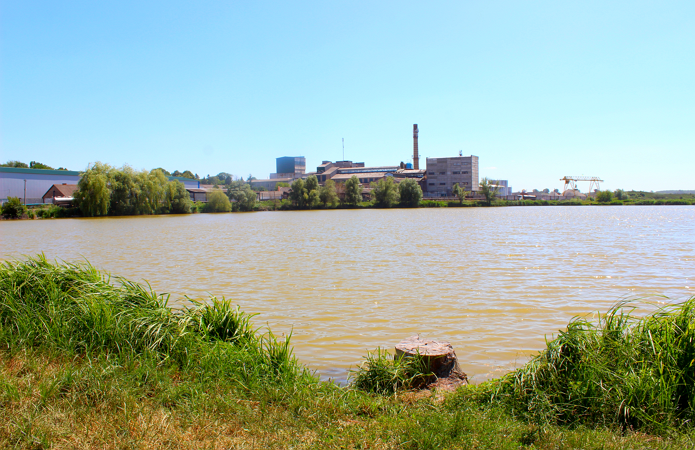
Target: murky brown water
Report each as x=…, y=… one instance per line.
x=492, y=281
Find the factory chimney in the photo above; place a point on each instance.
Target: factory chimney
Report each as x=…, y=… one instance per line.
x=416, y=156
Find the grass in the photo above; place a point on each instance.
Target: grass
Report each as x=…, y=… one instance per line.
x=93, y=361
x=623, y=370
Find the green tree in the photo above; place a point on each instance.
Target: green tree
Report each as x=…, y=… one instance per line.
x=38, y=165
x=353, y=191
x=620, y=194
x=604, y=196
x=410, y=192
x=328, y=195
x=217, y=202
x=298, y=194
x=460, y=192
x=385, y=193
x=281, y=184
x=124, y=191
x=164, y=171
x=244, y=198
x=93, y=195
x=15, y=164
x=312, y=190
x=13, y=208
x=187, y=174
x=176, y=198
x=489, y=190
x=151, y=194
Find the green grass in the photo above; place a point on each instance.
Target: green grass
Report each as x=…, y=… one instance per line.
x=93, y=361
x=623, y=370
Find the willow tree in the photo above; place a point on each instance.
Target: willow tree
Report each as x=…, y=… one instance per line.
x=176, y=198
x=93, y=195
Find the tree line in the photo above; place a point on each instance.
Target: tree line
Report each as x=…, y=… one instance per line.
x=308, y=194
x=106, y=190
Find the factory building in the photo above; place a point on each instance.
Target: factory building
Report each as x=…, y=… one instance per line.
x=31, y=184
x=503, y=187
x=289, y=167
x=444, y=173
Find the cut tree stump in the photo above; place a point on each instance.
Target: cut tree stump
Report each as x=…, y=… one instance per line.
x=440, y=356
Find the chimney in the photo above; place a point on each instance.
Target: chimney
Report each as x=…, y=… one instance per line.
x=416, y=156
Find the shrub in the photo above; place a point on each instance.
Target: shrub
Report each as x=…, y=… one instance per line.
x=217, y=202
x=604, y=196
x=434, y=204
x=410, y=193
x=13, y=208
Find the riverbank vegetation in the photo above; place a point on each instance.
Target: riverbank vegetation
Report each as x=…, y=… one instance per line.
x=89, y=360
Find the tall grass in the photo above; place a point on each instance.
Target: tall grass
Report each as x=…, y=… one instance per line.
x=624, y=370
x=382, y=373
x=75, y=309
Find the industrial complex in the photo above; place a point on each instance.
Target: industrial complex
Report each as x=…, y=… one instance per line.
x=437, y=179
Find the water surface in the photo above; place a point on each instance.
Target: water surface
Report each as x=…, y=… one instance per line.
x=492, y=281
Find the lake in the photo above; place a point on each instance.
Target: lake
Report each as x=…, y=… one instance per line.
x=492, y=281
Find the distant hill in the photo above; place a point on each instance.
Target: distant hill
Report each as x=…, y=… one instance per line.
x=675, y=192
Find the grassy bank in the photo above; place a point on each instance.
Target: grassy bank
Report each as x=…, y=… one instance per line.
x=87, y=360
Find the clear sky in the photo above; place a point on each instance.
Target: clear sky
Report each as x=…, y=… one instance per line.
x=536, y=89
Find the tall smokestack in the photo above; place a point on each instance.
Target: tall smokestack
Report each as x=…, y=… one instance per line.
x=416, y=156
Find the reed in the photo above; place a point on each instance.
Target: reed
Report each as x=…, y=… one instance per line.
x=620, y=370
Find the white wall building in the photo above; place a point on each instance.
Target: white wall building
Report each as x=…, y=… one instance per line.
x=30, y=184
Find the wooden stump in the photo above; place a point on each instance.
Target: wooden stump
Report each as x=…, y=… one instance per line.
x=439, y=356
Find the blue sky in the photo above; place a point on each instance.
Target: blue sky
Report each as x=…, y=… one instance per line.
x=536, y=89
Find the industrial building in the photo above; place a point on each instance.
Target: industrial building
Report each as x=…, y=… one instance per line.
x=29, y=185
x=289, y=167
x=502, y=186
x=444, y=173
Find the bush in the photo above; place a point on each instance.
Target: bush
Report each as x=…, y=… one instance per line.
x=13, y=208
x=217, y=202
x=604, y=196
x=434, y=204
x=410, y=193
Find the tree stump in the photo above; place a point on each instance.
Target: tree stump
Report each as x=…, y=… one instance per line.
x=439, y=356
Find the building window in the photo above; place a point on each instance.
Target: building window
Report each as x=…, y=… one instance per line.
x=442, y=184
x=456, y=172
x=465, y=183
x=432, y=184
x=465, y=171
x=442, y=173
x=432, y=173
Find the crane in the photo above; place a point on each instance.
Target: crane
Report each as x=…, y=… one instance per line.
x=571, y=182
